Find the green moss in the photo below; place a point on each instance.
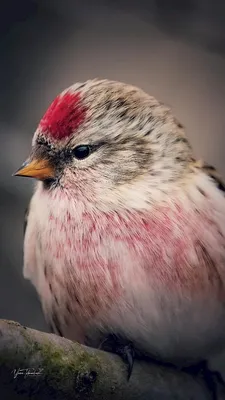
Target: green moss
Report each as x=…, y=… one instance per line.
x=74, y=369
x=78, y=366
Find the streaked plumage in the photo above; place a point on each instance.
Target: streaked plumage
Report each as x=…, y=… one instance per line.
x=130, y=240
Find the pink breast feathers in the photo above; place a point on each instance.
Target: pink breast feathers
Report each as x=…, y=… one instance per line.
x=64, y=116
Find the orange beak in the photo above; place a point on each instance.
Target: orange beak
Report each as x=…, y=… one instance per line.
x=39, y=169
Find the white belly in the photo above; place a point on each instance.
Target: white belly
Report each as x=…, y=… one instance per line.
x=181, y=331
x=96, y=284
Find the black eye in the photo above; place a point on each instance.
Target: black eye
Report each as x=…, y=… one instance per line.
x=81, y=151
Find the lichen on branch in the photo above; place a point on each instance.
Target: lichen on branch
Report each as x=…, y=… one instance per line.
x=43, y=366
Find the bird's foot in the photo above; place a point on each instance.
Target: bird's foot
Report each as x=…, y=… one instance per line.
x=124, y=349
x=212, y=378
x=127, y=354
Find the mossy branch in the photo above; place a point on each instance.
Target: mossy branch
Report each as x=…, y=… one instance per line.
x=43, y=366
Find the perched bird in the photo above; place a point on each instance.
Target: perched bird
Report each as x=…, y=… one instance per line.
x=125, y=232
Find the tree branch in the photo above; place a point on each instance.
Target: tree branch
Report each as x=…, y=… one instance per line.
x=43, y=366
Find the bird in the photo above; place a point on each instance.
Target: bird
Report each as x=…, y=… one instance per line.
x=125, y=231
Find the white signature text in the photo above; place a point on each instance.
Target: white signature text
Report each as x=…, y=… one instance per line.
x=27, y=372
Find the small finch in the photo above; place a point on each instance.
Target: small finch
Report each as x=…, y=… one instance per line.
x=125, y=232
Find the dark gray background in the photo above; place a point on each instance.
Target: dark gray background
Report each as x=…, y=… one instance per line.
x=175, y=50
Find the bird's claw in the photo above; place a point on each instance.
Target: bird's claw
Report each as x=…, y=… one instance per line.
x=127, y=355
x=126, y=351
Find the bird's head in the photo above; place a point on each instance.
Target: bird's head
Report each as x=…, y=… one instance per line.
x=103, y=138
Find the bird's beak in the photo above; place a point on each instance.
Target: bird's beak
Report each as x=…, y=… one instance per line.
x=36, y=168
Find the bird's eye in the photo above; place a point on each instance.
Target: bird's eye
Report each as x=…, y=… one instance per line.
x=81, y=151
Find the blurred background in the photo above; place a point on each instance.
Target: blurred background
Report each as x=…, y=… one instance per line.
x=173, y=49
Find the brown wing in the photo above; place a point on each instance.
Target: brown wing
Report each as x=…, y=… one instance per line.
x=212, y=173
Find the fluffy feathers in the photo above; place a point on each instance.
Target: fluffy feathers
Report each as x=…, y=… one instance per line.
x=130, y=240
